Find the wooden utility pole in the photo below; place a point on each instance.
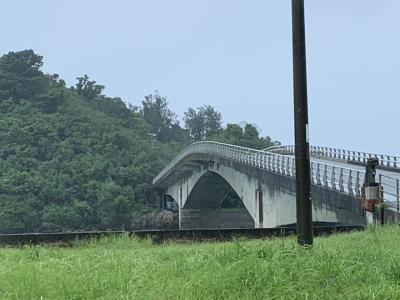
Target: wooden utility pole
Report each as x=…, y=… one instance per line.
x=302, y=154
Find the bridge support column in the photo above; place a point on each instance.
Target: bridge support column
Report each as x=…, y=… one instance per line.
x=259, y=213
x=180, y=203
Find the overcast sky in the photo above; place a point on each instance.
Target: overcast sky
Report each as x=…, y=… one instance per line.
x=235, y=55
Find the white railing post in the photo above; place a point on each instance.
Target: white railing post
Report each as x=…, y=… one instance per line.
x=288, y=166
x=357, y=187
x=325, y=179
x=341, y=188
x=333, y=179
x=318, y=174
x=350, y=184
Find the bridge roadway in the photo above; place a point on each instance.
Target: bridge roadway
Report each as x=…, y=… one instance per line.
x=200, y=175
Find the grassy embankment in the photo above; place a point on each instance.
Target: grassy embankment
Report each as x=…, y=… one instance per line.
x=360, y=265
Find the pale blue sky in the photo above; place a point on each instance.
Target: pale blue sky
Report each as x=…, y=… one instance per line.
x=232, y=54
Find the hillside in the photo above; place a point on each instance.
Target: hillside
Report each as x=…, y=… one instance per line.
x=72, y=158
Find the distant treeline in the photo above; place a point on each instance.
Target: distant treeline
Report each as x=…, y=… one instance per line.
x=72, y=158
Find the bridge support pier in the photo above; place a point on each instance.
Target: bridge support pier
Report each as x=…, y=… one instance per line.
x=259, y=209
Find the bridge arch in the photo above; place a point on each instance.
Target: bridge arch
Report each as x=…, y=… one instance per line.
x=202, y=195
x=214, y=203
x=210, y=191
x=264, y=181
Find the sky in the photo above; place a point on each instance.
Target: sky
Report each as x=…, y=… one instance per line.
x=235, y=55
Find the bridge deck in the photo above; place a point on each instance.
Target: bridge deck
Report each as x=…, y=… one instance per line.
x=332, y=169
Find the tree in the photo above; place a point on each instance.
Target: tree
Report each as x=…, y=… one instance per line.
x=212, y=120
x=232, y=134
x=163, y=121
x=155, y=112
x=194, y=123
x=203, y=123
x=246, y=136
x=72, y=158
x=20, y=75
x=88, y=88
x=251, y=137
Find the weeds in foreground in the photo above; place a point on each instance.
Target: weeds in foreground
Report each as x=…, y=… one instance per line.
x=359, y=265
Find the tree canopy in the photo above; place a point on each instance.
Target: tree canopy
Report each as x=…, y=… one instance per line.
x=72, y=158
x=203, y=122
x=246, y=135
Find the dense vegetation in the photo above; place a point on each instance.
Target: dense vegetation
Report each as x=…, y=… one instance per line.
x=360, y=265
x=72, y=158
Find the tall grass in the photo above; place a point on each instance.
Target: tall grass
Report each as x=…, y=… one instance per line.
x=359, y=265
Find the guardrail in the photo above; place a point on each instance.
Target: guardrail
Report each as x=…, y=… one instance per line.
x=390, y=190
x=356, y=157
x=390, y=186
x=345, y=180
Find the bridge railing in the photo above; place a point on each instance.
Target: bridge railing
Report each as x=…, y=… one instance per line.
x=345, y=180
x=390, y=190
x=387, y=161
x=336, y=178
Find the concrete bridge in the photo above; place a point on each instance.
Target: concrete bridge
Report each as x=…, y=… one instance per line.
x=201, y=178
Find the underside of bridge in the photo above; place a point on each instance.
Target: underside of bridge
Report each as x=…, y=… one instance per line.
x=214, y=204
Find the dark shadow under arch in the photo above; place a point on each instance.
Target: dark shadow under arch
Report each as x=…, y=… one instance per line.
x=213, y=203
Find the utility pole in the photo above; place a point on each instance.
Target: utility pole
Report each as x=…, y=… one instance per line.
x=302, y=154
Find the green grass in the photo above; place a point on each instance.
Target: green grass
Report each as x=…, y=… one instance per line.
x=359, y=265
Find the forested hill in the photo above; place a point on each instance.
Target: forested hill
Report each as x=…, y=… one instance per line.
x=72, y=158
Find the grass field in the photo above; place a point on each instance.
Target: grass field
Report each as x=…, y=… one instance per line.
x=359, y=265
